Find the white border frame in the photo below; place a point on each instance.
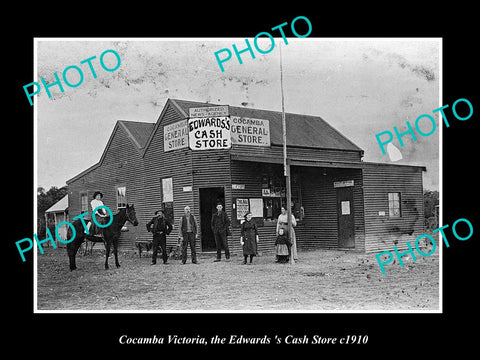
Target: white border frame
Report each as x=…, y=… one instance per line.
x=35, y=179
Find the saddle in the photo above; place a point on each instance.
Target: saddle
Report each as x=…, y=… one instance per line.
x=96, y=230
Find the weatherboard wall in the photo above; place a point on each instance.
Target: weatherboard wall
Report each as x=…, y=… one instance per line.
x=176, y=164
x=142, y=171
x=121, y=165
x=319, y=228
x=383, y=232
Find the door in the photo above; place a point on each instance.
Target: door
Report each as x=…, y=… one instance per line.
x=209, y=198
x=62, y=230
x=346, y=224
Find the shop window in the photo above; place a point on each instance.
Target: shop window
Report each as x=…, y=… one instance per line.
x=121, y=197
x=394, y=207
x=274, y=195
x=272, y=208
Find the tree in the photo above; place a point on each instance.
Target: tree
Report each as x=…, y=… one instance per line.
x=430, y=200
x=45, y=199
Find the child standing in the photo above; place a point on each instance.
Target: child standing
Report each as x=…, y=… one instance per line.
x=283, y=246
x=249, y=238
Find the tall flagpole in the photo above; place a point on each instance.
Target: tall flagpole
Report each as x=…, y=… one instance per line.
x=286, y=163
x=284, y=126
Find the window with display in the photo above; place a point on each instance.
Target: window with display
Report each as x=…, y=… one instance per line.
x=274, y=195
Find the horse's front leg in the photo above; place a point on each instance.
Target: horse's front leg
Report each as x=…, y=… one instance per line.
x=86, y=248
x=115, y=252
x=107, y=254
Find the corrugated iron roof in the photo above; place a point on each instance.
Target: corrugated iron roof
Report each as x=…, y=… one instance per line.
x=139, y=132
x=302, y=130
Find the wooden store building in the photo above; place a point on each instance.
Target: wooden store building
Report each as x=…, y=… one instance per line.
x=198, y=154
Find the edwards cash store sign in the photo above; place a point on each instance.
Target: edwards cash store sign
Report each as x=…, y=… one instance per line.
x=209, y=133
x=209, y=128
x=213, y=128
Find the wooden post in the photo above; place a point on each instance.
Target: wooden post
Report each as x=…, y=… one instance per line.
x=284, y=124
x=286, y=162
x=289, y=209
x=46, y=225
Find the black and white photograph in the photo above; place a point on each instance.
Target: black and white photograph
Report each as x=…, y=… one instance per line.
x=202, y=168
x=212, y=179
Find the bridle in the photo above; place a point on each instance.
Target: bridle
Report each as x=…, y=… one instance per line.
x=128, y=217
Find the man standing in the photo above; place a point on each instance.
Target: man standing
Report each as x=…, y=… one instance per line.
x=221, y=228
x=187, y=228
x=160, y=228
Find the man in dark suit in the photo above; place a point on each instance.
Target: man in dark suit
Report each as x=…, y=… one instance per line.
x=160, y=227
x=221, y=228
x=188, y=232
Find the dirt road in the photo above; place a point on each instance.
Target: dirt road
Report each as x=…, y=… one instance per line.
x=319, y=281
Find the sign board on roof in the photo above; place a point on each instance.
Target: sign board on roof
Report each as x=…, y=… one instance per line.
x=248, y=131
x=175, y=136
x=208, y=111
x=209, y=133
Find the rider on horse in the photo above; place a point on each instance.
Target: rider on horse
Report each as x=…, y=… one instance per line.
x=101, y=215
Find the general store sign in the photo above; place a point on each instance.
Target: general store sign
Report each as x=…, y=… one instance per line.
x=248, y=131
x=175, y=136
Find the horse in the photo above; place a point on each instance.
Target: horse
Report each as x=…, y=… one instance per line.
x=110, y=235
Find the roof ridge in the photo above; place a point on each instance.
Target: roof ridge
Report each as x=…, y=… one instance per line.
x=130, y=135
x=323, y=128
x=249, y=108
x=136, y=122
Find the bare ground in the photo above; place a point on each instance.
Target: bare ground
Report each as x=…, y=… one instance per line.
x=322, y=280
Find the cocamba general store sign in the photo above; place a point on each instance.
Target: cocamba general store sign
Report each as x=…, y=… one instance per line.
x=213, y=128
x=175, y=136
x=247, y=131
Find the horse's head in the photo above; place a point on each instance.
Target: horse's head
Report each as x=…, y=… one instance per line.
x=131, y=215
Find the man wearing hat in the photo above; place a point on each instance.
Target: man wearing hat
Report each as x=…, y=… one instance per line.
x=160, y=227
x=100, y=214
x=221, y=228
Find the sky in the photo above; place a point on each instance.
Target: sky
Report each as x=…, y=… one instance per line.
x=361, y=87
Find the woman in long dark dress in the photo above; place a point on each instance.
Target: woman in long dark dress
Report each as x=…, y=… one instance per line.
x=249, y=238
